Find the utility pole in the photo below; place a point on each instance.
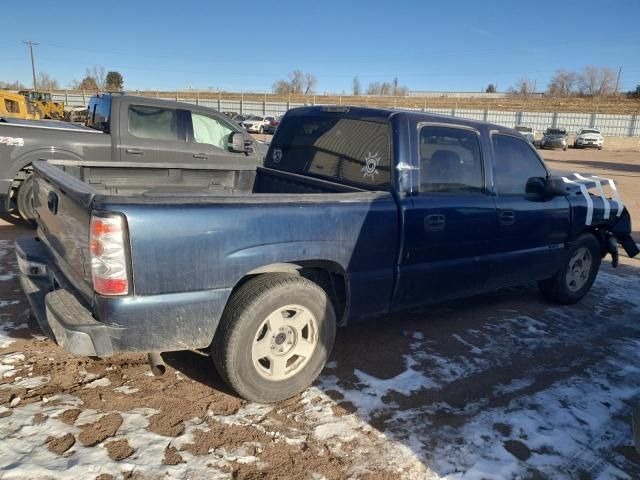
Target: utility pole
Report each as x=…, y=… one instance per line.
x=618, y=80
x=33, y=63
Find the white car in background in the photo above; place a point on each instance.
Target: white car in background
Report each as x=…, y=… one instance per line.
x=256, y=123
x=588, y=137
x=527, y=132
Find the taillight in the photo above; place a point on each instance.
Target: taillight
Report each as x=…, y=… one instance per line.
x=109, y=267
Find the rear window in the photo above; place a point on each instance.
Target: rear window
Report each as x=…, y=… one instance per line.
x=99, y=112
x=342, y=149
x=153, y=123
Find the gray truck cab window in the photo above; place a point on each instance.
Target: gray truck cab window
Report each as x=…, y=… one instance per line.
x=515, y=162
x=450, y=160
x=210, y=131
x=153, y=123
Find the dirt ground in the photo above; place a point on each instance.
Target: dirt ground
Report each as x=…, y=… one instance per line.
x=498, y=386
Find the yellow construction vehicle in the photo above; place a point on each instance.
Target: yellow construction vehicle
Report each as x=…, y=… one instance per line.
x=43, y=103
x=15, y=105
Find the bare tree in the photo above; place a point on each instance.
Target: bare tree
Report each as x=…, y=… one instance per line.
x=491, y=88
x=357, y=88
x=563, y=83
x=387, y=88
x=46, y=82
x=309, y=82
x=524, y=86
x=299, y=82
x=17, y=85
x=373, y=88
x=597, y=81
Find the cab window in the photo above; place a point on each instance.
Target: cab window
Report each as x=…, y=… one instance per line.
x=450, y=160
x=153, y=123
x=515, y=163
x=210, y=131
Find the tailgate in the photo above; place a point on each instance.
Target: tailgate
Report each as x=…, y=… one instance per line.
x=63, y=210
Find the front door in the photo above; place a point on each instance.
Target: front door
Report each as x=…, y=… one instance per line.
x=451, y=222
x=531, y=230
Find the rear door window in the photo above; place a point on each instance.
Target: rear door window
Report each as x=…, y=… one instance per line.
x=153, y=123
x=450, y=160
x=515, y=163
x=333, y=147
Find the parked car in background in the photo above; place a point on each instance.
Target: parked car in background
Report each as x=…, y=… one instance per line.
x=230, y=114
x=239, y=119
x=273, y=125
x=527, y=132
x=256, y=123
x=588, y=137
x=121, y=130
x=554, y=138
x=356, y=212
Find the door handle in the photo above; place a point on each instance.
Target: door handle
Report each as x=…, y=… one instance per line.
x=434, y=223
x=134, y=151
x=507, y=217
x=200, y=155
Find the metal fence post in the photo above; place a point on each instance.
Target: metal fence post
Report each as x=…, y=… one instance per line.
x=177, y=96
x=219, y=101
x=197, y=97
x=486, y=115
x=241, y=103
x=264, y=105
x=66, y=97
x=84, y=97
x=592, y=120
x=554, y=120
x=633, y=124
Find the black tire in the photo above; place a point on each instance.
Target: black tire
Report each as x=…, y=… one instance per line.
x=240, y=327
x=564, y=149
x=599, y=148
x=557, y=287
x=261, y=130
x=24, y=200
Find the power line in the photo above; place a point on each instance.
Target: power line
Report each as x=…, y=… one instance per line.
x=33, y=63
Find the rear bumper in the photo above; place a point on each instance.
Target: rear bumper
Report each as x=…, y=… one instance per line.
x=155, y=323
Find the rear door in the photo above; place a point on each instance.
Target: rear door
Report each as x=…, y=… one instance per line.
x=450, y=224
x=531, y=231
x=153, y=134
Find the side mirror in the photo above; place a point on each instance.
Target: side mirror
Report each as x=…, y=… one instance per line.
x=236, y=142
x=545, y=187
x=536, y=186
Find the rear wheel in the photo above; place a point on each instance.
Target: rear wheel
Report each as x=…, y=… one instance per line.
x=24, y=200
x=577, y=275
x=275, y=337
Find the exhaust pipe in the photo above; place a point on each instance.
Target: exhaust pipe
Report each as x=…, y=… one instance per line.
x=158, y=367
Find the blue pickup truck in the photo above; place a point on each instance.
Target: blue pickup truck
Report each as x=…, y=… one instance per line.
x=355, y=213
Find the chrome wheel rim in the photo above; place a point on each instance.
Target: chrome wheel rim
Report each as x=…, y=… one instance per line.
x=284, y=342
x=579, y=269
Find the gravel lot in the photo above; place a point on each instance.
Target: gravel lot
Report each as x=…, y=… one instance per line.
x=497, y=386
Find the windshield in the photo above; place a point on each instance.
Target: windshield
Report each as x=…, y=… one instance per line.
x=586, y=130
x=556, y=131
x=254, y=117
x=342, y=149
x=520, y=128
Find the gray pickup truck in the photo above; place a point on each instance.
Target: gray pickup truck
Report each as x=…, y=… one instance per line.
x=167, y=140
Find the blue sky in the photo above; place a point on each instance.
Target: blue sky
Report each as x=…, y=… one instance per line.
x=446, y=45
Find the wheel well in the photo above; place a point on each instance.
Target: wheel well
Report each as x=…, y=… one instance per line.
x=601, y=236
x=330, y=276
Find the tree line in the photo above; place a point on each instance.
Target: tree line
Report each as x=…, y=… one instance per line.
x=95, y=78
x=590, y=82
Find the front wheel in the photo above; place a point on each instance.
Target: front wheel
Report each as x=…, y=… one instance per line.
x=578, y=273
x=275, y=337
x=261, y=130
